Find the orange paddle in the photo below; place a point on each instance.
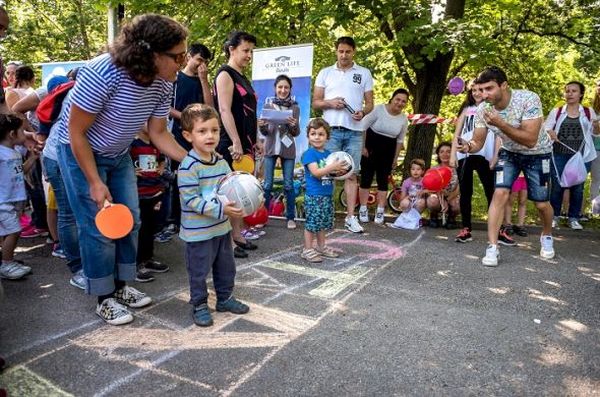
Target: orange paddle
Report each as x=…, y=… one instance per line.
x=246, y=163
x=114, y=221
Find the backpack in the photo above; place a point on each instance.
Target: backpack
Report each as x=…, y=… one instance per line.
x=50, y=107
x=586, y=111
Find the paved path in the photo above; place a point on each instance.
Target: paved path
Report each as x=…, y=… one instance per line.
x=400, y=312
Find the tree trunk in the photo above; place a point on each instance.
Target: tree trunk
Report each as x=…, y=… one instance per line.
x=430, y=88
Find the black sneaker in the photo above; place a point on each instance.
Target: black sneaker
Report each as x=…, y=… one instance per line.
x=509, y=229
x=451, y=224
x=248, y=245
x=143, y=276
x=434, y=223
x=239, y=253
x=464, y=236
x=155, y=266
x=505, y=239
x=519, y=230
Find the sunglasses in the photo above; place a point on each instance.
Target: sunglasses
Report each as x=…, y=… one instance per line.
x=178, y=58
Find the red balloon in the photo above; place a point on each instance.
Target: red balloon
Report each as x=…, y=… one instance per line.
x=446, y=173
x=436, y=179
x=258, y=217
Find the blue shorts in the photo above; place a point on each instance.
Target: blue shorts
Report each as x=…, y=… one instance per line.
x=349, y=141
x=535, y=167
x=319, y=213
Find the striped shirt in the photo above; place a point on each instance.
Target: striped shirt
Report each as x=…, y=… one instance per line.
x=202, y=216
x=120, y=105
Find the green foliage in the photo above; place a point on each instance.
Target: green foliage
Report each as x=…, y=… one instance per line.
x=419, y=45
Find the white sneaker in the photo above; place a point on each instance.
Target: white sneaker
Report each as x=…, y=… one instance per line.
x=131, y=297
x=352, y=224
x=575, y=225
x=13, y=270
x=113, y=312
x=554, y=222
x=547, y=250
x=363, y=215
x=379, y=218
x=491, y=256
x=78, y=280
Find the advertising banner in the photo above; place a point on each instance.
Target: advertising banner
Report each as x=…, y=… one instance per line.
x=296, y=62
x=52, y=69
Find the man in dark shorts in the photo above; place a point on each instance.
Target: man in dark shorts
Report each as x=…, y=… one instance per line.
x=516, y=117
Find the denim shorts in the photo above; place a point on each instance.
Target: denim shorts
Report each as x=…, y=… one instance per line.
x=9, y=220
x=535, y=167
x=319, y=213
x=349, y=141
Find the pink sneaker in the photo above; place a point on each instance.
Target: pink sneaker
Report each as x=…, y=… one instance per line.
x=25, y=221
x=34, y=232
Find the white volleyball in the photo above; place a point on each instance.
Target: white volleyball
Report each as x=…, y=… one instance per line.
x=345, y=158
x=243, y=189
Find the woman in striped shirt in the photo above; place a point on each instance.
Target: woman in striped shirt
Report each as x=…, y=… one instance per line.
x=115, y=94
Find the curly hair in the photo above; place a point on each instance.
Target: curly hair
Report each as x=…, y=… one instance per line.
x=23, y=74
x=140, y=39
x=9, y=122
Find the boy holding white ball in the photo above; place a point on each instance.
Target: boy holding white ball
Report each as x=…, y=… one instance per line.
x=318, y=199
x=205, y=223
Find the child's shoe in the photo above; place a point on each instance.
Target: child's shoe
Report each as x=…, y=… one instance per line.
x=58, y=252
x=13, y=270
x=311, y=255
x=34, y=232
x=155, y=266
x=143, y=275
x=232, y=305
x=201, y=316
x=327, y=252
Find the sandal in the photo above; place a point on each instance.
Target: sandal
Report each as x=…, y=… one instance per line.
x=311, y=255
x=327, y=252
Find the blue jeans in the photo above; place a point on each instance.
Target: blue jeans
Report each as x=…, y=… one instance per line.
x=67, y=227
x=288, y=183
x=575, y=194
x=535, y=167
x=201, y=257
x=349, y=141
x=104, y=260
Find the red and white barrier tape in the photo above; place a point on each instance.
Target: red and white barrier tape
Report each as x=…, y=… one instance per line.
x=429, y=119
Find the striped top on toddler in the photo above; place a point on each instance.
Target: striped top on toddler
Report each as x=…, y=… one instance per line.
x=202, y=216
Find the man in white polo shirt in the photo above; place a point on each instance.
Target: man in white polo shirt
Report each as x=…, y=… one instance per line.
x=340, y=91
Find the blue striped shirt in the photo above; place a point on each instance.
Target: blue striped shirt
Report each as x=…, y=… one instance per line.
x=121, y=105
x=202, y=216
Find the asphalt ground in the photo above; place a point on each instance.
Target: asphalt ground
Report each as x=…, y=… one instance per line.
x=399, y=313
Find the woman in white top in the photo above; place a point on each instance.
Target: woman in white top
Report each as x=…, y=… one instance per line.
x=469, y=163
x=571, y=129
x=386, y=128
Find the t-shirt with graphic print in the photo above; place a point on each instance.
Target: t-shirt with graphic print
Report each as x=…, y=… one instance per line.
x=523, y=105
x=316, y=186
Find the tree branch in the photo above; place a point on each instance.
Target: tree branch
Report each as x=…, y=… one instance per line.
x=562, y=36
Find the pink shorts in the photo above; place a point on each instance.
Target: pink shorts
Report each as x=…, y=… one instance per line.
x=519, y=185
